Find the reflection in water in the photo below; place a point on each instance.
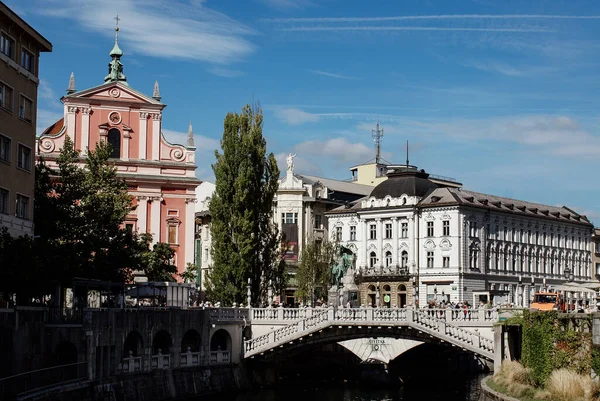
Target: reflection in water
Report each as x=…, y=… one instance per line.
x=433, y=390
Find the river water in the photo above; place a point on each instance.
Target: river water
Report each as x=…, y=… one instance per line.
x=431, y=390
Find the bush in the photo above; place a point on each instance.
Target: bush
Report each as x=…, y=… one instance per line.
x=517, y=379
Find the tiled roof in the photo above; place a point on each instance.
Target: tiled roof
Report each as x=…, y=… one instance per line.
x=337, y=185
x=456, y=196
x=54, y=128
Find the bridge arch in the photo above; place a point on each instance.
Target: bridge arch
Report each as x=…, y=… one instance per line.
x=162, y=341
x=192, y=340
x=65, y=353
x=220, y=341
x=133, y=343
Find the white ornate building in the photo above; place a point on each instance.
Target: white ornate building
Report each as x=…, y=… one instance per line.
x=416, y=238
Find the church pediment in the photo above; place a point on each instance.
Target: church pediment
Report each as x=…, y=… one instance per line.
x=114, y=91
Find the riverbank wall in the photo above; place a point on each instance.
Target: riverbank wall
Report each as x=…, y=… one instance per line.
x=158, y=385
x=488, y=394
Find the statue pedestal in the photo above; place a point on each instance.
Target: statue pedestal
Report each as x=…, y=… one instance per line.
x=339, y=296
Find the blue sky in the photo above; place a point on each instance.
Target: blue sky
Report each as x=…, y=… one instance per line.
x=501, y=95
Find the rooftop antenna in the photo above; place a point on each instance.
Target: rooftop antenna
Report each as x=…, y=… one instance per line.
x=377, y=134
x=406, y=153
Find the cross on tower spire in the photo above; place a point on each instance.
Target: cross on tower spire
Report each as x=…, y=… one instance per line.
x=115, y=67
x=377, y=134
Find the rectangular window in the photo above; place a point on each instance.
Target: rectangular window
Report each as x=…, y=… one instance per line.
x=445, y=261
x=388, y=230
x=430, y=228
x=352, y=233
x=338, y=233
x=430, y=259
x=373, y=231
x=446, y=228
x=505, y=233
x=205, y=254
x=6, y=96
x=24, y=157
x=172, y=234
x=318, y=221
x=404, y=230
x=7, y=45
x=22, y=207
x=473, y=228
x=290, y=218
x=129, y=227
x=27, y=60
x=4, y=148
x=25, y=109
x=522, y=236
x=4, y=201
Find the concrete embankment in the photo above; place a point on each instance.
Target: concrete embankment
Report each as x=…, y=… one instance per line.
x=487, y=394
x=148, y=386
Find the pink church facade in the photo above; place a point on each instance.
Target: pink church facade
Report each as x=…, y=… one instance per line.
x=160, y=175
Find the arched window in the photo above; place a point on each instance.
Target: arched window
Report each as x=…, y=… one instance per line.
x=372, y=259
x=404, y=260
x=388, y=259
x=114, y=138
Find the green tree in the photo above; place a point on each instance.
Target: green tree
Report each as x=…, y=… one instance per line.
x=157, y=261
x=314, y=270
x=245, y=242
x=189, y=274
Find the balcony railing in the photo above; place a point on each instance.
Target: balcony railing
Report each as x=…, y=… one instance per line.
x=65, y=316
x=377, y=271
x=160, y=361
x=220, y=357
x=131, y=364
x=189, y=358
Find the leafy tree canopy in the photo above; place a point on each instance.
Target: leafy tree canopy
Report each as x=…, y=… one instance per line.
x=314, y=270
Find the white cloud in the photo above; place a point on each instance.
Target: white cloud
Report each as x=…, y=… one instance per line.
x=410, y=28
x=293, y=116
x=46, y=118
x=160, y=28
x=340, y=150
x=559, y=135
x=496, y=67
x=287, y=4
x=203, y=144
x=431, y=17
x=330, y=74
x=225, y=72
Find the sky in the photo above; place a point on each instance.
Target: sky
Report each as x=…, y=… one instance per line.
x=502, y=95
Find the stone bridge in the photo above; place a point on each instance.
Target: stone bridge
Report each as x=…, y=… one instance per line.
x=286, y=330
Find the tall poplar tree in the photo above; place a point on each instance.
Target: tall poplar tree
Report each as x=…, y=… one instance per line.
x=245, y=242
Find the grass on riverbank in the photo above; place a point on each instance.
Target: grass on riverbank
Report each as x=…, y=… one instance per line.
x=515, y=380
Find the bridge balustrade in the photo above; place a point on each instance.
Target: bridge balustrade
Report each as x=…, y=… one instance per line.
x=160, y=361
x=220, y=357
x=189, y=358
x=130, y=364
x=231, y=314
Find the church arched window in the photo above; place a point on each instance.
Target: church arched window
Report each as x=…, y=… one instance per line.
x=114, y=138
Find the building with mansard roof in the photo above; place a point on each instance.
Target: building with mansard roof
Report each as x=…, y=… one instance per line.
x=160, y=175
x=418, y=239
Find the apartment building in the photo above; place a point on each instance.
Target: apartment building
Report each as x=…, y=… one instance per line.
x=20, y=48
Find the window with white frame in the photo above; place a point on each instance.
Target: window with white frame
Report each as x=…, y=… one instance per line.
x=352, y=233
x=430, y=228
x=404, y=230
x=388, y=259
x=473, y=228
x=5, y=148
x=446, y=228
x=372, y=259
x=4, y=201
x=22, y=210
x=473, y=258
x=7, y=45
x=373, y=231
x=290, y=218
x=24, y=157
x=338, y=233
x=404, y=259
x=6, y=96
x=318, y=221
x=25, y=109
x=430, y=259
x=388, y=230
x=445, y=262
x=27, y=60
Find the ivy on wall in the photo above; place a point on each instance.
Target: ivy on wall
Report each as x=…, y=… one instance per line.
x=553, y=341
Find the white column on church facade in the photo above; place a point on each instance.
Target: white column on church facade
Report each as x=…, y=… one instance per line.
x=190, y=207
x=85, y=130
x=156, y=136
x=380, y=254
x=395, y=241
x=142, y=213
x=142, y=135
x=155, y=219
x=126, y=137
x=413, y=261
x=365, y=233
x=71, y=113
